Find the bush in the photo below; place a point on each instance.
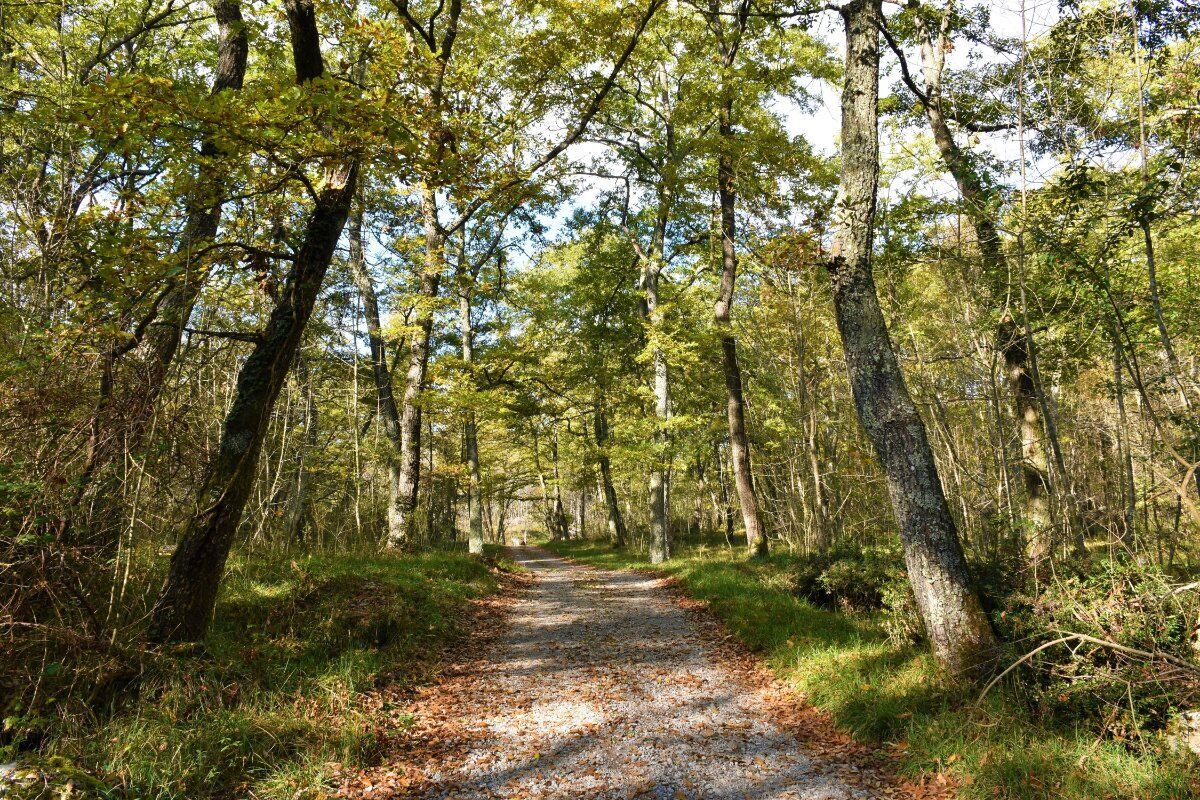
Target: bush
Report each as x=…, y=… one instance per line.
x=1130, y=676
x=851, y=580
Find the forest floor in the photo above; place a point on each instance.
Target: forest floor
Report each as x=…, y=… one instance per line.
x=294, y=686
x=611, y=684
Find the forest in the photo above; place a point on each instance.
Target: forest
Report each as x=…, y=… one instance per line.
x=396, y=393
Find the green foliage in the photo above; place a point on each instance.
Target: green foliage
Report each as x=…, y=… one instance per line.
x=849, y=579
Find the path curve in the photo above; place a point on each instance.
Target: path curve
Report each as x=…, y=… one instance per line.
x=602, y=686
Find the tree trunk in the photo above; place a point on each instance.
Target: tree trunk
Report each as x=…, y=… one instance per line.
x=696, y=526
x=616, y=525
x=581, y=513
x=470, y=435
x=1124, y=453
x=660, y=533
x=184, y=610
x=559, y=524
x=408, y=480
x=381, y=375
x=298, y=511
x=1038, y=546
x=723, y=498
x=739, y=446
x=959, y=631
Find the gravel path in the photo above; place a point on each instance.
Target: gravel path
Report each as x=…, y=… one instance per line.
x=602, y=686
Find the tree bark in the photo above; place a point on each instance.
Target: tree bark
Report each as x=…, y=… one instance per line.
x=652, y=265
x=1124, y=452
x=581, y=512
x=959, y=631
x=298, y=511
x=559, y=524
x=470, y=432
x=728, y=42
x=184, y=609
x=726, y=513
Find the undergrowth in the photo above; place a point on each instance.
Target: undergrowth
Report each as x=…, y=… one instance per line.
x=270, y=706
x=889, y=692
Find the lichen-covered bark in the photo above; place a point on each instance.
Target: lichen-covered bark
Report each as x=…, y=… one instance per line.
x=958, y=630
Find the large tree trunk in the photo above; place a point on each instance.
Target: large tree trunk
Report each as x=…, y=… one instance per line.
x=959, y=631
x=616, y=525
x=184, y=610
x=408, y=484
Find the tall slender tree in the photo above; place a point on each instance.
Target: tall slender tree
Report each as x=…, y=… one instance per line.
x=959, y=631
x=728, y=29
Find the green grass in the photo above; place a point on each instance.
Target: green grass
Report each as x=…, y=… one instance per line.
x=273, y=705
x=886, y=694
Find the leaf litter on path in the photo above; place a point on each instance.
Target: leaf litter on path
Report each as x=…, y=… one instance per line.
x=611, y=685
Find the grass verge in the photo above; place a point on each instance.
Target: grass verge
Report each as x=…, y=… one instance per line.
x=845, y=665
x=273, y=706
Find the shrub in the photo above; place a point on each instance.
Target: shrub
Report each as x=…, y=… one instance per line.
x=853, y=580
x=1126, y=670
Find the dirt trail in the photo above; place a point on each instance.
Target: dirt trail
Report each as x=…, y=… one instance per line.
x=602, y=686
